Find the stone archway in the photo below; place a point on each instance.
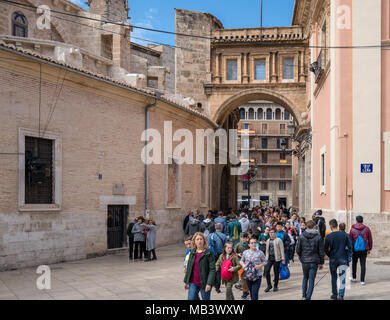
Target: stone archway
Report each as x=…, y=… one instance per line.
x=244, y=96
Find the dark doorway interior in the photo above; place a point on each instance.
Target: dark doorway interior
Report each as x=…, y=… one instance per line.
x=282, y=202
x=116, y=226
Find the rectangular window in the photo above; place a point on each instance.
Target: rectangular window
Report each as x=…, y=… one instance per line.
x=288, y=68
x=152, y=82
x=283, y=173
x=323, y=170
x=264, y=172
x=264, y=157
x=282, y=129
x=282, y=185
x=231, y=69
x=264, y=143
x=106, y=46
x=246, y=143
x=264, y=128
x=38, y=171
x=246, y=126
x=260, y=69
x=173, y=186
x=282, y=156
x=264, y=185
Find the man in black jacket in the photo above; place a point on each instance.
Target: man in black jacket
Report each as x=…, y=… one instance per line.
x=310, y=250
x=319, y=220
x=131, y=238
x=337, y=248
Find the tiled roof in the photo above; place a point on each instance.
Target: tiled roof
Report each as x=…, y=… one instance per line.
x=123, y=84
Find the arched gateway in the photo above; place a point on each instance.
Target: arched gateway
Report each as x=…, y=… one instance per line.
x=222, y=69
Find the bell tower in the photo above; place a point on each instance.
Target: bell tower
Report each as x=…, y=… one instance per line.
x=110, y=10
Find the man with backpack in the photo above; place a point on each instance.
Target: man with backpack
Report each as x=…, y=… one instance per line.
x=361, y=239
x=216, y=240
x=234, y=230
x=282, y=235
x=320, y=222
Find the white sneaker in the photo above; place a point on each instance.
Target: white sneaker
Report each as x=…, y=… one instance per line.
x=362, y=283
x=352, y=279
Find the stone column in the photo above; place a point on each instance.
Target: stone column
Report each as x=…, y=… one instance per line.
x=217, y=68
x=302, y=77
x=245, y=71
x=274, y=76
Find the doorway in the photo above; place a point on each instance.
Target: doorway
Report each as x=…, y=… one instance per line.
x=116, y=226
x=282, y=202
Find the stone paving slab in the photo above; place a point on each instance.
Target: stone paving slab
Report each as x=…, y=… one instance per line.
x=113, y=277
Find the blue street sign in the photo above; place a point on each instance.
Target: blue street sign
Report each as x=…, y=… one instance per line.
x=366, y=168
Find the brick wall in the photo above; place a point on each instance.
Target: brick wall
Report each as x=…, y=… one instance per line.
x=100, y=127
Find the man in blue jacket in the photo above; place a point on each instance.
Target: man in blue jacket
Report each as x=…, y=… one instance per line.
x=337, y=248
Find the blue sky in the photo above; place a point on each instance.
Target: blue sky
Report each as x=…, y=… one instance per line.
x=160, y=14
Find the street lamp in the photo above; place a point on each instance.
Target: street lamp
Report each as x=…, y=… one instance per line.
x=291, y=128
x=252, y=172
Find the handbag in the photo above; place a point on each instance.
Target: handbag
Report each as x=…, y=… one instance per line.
x=284, y=271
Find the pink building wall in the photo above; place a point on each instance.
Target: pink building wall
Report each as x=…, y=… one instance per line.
x=322, y=138
x=385, y=93
x=344, y=114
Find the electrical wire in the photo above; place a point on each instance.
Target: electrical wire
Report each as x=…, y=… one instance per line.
x=196, y=36
x=110, y=31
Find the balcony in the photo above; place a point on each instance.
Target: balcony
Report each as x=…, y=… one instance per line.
x=259, y=34
x=318, y=67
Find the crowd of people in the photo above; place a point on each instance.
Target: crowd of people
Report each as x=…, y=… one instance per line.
x=238, y=249
x=142, y=239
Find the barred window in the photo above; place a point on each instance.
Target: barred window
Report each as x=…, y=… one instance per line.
x=19, y=25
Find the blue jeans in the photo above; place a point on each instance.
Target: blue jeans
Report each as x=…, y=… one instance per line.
x=193, y=293
x=287, y=256
x=333, y=265
x=309, y=275
x=254, y=287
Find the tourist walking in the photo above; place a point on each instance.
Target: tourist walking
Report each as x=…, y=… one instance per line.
x=200, y=272
x=193, y=226
x=131, y=238
x=274, y=255
x=188, y=245
x=282, y=235
x=253, y=261
x=220, y=219
x=150, y=240
x=216, y=241
x=234, y=229
x=139, y=238
x=256, y=225
x=228, y=265
x=239, y=250
x=337, y=248
x=245, y=223
x=320, y=222
x=263, y=239
x=310, y=250
x=361, y=239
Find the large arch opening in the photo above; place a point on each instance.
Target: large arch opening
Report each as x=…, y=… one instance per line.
x=237, y=100
x=268, y=116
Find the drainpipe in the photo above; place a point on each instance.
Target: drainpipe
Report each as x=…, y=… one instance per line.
x=148, y=107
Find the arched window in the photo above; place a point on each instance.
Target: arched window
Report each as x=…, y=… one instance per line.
x=286, y=115
x=260, y=114
x=19, y=25
x=278, y=114
x=242, y=114
x=269, y=114
x=251, y=114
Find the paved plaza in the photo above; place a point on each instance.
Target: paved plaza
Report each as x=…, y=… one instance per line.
x=114, y=277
